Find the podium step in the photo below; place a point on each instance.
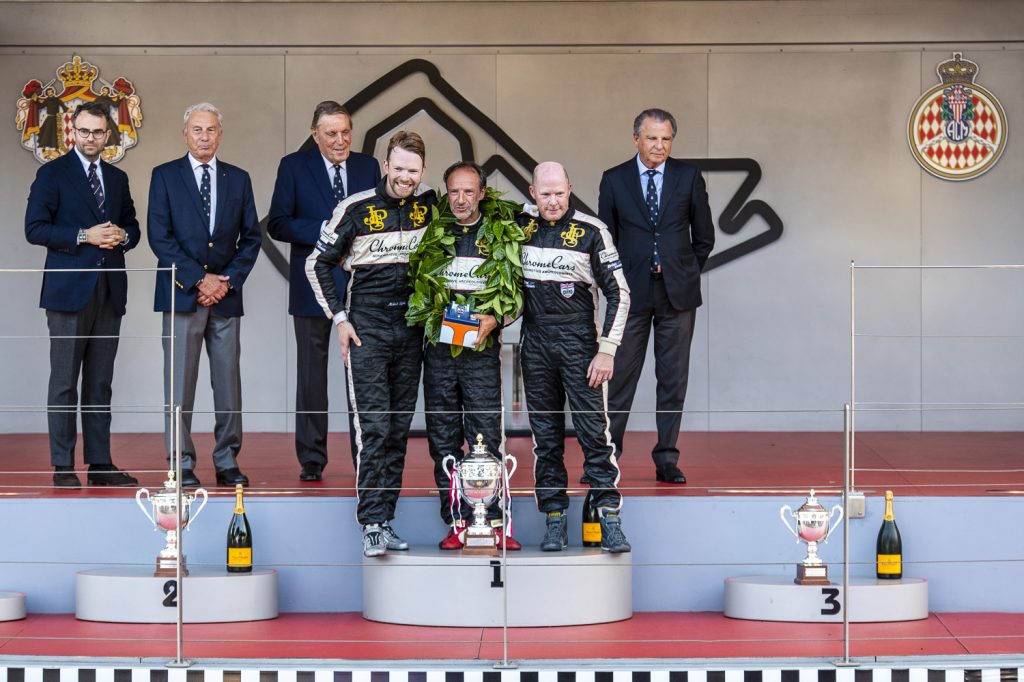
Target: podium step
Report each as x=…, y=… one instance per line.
x=439, y=588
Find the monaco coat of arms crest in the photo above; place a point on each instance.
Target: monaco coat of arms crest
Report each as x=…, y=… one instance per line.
x=45, y=111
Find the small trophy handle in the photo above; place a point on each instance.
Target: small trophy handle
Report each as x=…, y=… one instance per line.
x=782, y=515
x=839, y=520
x=139, y=494
x=515, y=465
x=192, y=517
x=448, y=463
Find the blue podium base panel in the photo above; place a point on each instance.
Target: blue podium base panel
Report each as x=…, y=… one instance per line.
x=444, y=588
x=129, y=594
x=683, y=547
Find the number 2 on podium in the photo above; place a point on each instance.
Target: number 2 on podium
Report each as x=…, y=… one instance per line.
x=171, y=592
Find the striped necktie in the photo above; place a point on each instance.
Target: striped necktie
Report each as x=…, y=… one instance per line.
x=97, y=187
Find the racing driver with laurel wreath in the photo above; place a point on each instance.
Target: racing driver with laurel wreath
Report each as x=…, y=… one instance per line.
x=467, y=262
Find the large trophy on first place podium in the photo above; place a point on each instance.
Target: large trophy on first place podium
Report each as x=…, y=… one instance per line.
x=479, y=479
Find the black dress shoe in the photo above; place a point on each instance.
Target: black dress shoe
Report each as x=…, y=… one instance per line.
x=311, y=471
x=231, y=477
x=66, y=478
x=189, y=478
x=670, y=474
x=110, y=475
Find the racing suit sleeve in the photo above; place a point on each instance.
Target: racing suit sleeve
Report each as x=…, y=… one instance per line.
x=332, y=246
x=607, y=269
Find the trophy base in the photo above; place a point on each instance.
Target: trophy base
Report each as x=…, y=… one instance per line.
x=168, y=568
x=480, y=544
x=811, y=575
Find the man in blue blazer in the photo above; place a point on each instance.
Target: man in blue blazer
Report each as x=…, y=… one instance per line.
x=656, y=208
x=202, y=219
x=81, y=210
x=310, y=183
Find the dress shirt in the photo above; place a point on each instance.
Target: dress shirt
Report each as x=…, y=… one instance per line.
x=659, y=177
x=330, y=173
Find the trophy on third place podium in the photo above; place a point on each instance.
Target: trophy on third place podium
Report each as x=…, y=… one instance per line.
x=479, y=479
x=165, y=517
x=812, y=527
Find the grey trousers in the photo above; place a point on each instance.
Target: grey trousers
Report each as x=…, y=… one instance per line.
x=221, y=337
x=92, y=358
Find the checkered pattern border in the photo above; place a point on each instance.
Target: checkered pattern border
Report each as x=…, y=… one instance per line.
x=524, y=674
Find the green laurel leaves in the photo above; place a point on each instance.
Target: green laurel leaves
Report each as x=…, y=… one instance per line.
x=499, y=240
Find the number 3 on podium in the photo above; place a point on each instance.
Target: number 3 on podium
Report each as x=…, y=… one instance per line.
x=832, y=605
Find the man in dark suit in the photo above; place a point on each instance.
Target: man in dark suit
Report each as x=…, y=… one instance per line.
x=83, y=309
x=656, y=208
x=310, y=183
x=202, y=219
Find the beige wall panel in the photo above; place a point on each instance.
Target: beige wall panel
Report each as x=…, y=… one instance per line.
x=829, y=139
x=549, y=23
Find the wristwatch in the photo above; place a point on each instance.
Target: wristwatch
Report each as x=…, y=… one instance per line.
x=82, y=236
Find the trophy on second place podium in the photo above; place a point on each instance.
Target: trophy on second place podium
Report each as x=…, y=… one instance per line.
x=479, y=479
x=165, y=518
x=812, y=527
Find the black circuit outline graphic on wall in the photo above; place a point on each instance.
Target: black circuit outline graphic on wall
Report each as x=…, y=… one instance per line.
x=737, y=213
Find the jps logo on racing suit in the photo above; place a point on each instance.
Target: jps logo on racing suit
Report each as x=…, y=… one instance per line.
x=530, y=228
x=375, y=221
x=571, y=235
x=418, y=214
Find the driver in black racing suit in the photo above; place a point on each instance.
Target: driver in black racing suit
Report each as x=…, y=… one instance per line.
x=567, y=257
x=372, y=234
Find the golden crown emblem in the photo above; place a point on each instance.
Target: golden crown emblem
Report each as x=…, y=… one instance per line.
x=957, y=70
x=77, y=72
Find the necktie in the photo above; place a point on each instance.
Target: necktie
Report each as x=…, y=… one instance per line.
x=97, y=186
x=652, y=196
x=652, y=209
x=339, y=186
x=204, y=192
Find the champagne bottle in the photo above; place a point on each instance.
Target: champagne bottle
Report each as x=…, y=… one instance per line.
x=591, y=523
x=889, y=546
x=239, y=538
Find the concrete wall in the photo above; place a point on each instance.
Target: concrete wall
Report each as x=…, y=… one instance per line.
x=818, y=93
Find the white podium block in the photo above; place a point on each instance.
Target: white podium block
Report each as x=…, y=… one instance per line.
x=446, y=588
x=12, y=606
x=778, y=598
x=134, y=595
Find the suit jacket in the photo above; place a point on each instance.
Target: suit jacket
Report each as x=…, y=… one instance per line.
x=303, y=200
x=61, y=203
x=685, y=232
x=178, y=233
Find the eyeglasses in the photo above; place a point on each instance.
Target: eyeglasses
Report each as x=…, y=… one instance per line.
x=86, y=134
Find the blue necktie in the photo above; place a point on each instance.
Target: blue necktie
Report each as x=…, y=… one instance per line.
x=339, y=186
x=652, y=209
x=97, y=186
x=205, y=191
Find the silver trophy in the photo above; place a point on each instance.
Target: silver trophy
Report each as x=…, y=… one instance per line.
x=480, y=480
x=812, y=527
x=165, y=518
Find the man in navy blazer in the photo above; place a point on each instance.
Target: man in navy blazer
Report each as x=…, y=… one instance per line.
x=310, y=183
x=656, y=208
x=80, y=208
x=202, y=219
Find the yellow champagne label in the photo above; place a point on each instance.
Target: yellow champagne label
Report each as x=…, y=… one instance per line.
x=239, y=556
x=890, y=563
x=591, y=532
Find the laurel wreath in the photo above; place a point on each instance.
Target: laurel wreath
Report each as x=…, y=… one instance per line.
x=499, y=239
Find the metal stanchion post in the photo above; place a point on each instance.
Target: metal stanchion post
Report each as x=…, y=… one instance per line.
x=506, y=495
x=845, y=661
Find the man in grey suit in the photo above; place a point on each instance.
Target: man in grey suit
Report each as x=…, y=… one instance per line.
x=202, y=218
x=656, y=208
